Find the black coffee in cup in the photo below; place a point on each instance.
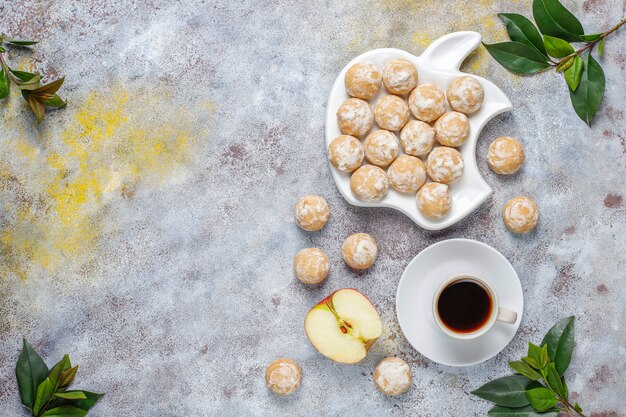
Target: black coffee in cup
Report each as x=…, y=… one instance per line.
x=464, y=306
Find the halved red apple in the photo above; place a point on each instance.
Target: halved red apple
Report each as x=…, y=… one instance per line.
x=343, y=326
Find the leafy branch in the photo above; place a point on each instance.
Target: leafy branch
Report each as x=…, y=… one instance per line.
x=532, y=50
x=37, y=95
x=45, y=392
x=591, y=41
x=538, y=388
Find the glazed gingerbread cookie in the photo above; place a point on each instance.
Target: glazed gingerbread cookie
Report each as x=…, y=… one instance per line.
x=369, y=183
x=355, y=117
x=399, y=76
x=363, y=80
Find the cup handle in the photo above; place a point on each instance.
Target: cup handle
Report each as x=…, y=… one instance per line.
x=506, y=316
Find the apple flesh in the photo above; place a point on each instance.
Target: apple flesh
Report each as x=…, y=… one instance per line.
x=343, y=326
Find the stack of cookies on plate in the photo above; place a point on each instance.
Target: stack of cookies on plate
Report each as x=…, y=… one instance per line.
x=411, y=119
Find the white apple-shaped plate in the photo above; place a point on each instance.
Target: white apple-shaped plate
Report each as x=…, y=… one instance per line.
x=439, y=64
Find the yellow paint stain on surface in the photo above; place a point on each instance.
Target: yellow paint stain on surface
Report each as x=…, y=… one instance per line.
x=115, y=140
x=423, y=39
x=428, y=20
x=26, y=149
x=27, y=242
x=477, y=62
x=404, y=6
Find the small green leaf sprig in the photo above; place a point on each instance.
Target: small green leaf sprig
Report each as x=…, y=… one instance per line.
x=45, y=392
x=37, y=96
x=538, y=388
x=531, y=51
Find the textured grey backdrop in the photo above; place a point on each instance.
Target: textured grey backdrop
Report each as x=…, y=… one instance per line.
x=147, y=228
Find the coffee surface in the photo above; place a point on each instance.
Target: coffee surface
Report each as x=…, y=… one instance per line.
x=464, y=306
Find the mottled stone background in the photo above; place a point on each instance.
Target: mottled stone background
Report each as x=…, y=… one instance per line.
x=147, y=228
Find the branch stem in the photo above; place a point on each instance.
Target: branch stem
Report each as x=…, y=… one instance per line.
x=569, y=408
x=6, y=69
x=591, y=44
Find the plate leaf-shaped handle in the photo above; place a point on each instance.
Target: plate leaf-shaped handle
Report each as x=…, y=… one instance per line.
x=449, y=51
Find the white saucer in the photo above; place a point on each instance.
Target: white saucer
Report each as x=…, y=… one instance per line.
x=422, y=277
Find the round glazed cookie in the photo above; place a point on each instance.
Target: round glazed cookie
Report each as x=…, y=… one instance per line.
x=452, y=129
x=427, y=102
x=391, y=113
x=283, y=376
x=369, y=183
x=399, y=76
x=345, y=153
x=407, y=174
x=521, y=214
x=444, y=165
x=381, y=147
x=355, y=117
x=434, y=200
x=393, y=376
x=505, y=155
x=311, y=265
x=417, y=138
x=312, y=212
x=359, y=251
x=465, y=94
x=363, y=80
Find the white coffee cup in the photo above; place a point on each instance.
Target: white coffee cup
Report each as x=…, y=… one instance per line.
x=497, y=313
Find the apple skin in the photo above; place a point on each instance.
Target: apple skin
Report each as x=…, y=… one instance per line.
x=364, y=344
x=369, y=344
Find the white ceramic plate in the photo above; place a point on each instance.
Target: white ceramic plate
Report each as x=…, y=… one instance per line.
x=427, y=271
x=438, y=64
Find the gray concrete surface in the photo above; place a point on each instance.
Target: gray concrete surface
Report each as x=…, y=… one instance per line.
x=147, y=228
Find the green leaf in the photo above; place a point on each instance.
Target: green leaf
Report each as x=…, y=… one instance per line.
x=71, y=395
x=39, y=110
x=556, y=47
x=21, y=42
x=522, y=30
x=517, y=57
x=590, y=38
x=68, y=376
x=2, y=49
x=554, y=19
x=537, y=357
x=566, y=63
x=578, y=408
x=573, y=73
x=524, y=369
x=50, y=88
x=44, y=392
x=554, y=381
x=33, y=81
x=55, y=373
x=92, y=399
x=85, y=404
x=543, y=356
x=560, y=338
x=532, y=362
x=528, y=411
x=25, y=76
x=541, y=399
x=30, y=371
x=533, y=350
x=65, y=411
x=601, y=47
x=508, y=391
x=5, y=85
x=28, y=86
x=55, y=101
